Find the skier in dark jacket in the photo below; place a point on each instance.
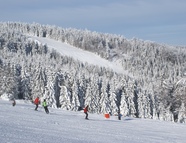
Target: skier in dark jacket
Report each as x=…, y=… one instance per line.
x=45, y=106
x=119, y=115
x=36, y=101
x=85, y=111
x=13, y=102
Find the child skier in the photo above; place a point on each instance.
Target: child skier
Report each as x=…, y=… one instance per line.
x=45, y=106
x=36, y=101
x=85, y=111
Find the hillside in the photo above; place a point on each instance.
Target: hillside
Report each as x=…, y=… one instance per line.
x=72, y=68
x=77, y=53
x=21, y=124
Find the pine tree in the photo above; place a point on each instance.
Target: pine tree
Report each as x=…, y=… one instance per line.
x=105, y=108
x=124, y=107
x=75, y=99
x=64, y=98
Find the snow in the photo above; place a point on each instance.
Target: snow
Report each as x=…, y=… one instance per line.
x=22, y=124
x=77, y=53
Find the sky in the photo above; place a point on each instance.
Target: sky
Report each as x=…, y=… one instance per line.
x=22, y=124
x=161, y=21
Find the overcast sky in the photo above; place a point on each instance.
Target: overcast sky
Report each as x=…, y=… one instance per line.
x=162, y=21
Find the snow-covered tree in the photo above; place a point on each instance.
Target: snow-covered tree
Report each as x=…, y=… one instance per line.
x=105, y=108
x=124, y=107
x=75, y=99
x=64, y=98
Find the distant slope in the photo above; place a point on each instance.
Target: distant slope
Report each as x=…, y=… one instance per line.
x=78, y=54
x=21, y=124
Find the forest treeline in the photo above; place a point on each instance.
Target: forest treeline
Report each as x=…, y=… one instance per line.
x=155, y=86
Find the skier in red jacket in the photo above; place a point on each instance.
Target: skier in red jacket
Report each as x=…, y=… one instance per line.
x=36, y=101
x=85, y=111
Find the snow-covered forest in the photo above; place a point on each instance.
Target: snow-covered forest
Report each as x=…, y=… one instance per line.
x=152, y=85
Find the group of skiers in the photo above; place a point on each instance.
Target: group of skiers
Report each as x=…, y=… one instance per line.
x=44, y=104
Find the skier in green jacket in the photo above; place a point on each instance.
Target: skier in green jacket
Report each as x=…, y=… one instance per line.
x=45, y=106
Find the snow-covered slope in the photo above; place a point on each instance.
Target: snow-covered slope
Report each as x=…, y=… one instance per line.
x=21, y=124
x=78, y=54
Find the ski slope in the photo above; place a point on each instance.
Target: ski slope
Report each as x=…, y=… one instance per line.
x=22, y=124
x=77, y=53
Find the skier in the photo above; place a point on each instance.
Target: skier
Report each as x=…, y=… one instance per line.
x=119, y=115
x=36, y=101
x=13, y=102
x=45, y=106
x=85, y=111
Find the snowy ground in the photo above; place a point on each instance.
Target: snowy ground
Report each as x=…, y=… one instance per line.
x=21, y=124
